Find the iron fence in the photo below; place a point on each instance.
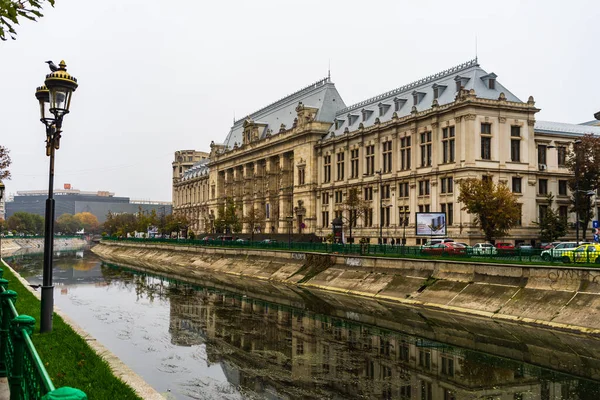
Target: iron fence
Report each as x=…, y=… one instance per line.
x=516, y=255
x=19, y=359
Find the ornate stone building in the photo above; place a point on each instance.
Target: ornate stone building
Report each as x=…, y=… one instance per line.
x=405, y=150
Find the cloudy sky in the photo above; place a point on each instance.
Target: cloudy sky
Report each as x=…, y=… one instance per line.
x=160, y=76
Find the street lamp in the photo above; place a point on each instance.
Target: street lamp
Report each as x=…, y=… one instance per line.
x=576, y=148
x=1, y=197
x=55, y=99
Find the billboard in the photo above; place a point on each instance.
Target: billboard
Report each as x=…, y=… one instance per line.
x=431, y=224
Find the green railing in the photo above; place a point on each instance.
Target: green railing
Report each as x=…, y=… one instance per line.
x=517, y=255
x=19, y=360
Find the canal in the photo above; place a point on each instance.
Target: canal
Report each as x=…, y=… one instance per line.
x=227, y=338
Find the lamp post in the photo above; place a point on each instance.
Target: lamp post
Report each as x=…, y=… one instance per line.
x=1, y=197
x=54, y=99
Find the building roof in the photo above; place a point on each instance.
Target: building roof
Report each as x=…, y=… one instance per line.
x=321, y=95
x=420, y=94
x=593, y=122
x=198, y=169
x=563, y=128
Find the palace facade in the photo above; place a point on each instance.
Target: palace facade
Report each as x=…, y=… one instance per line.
x=292, y=164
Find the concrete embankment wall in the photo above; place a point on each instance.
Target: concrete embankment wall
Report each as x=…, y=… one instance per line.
x=13, y=245
x=554, y=296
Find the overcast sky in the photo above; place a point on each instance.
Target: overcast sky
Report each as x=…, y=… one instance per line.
x=160, y=76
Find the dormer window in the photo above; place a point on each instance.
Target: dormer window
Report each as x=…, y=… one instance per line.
x=417, y=97
x=461, y=81
x=366, y=114
x=352, y=118
x=398, y=104
x=338, y=123
x=383, y=108
x=490, y=80
x=438, y=90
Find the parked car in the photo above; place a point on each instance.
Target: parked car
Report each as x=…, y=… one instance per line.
x=207, y=239
x=241, y=240
x=484, y=249
x=524, y=249
x=225, y=238
x=432, y=242
x=445, y=249
x=583, y=254
x=505, y=248
x=557, y=251
x=269, y=241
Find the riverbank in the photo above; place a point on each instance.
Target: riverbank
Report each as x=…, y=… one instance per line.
x=18, y=245
x=72, y=357
x=564, y=298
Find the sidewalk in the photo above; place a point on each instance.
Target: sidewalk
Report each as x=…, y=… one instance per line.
x=4, y=392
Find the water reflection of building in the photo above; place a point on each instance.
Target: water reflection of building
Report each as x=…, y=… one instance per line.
x=302, y=354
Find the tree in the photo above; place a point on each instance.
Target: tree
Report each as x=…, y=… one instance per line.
x=584, y=162
x=26, y=223
x=12, y=11
x=552, y=225
x=252, y=218
x=227, y=217
x=88, y=221
x=176, y=223
x=495, y=208
x=67, y=223
x=354, y=208
x=4, y=161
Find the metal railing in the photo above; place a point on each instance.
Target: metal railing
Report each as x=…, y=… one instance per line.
x=516, y=255
x=19, y=360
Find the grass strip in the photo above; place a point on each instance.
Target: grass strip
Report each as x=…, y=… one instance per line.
x=68, y=358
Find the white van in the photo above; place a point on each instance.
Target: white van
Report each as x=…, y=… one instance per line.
x=432, y=242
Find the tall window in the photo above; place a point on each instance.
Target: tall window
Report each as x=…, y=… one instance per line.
x=542, y=153
x=563, y=212
x=425, y=359
x=368, y=219
x=562, y=187
x=543, y=212
x=448, y=144
x=446, y=185
x=424, y=207
x=385, y=192
x=486, y=141
x=301, y=176
x=403, y=214
x=387, y=156
x=448, y=366
x=426, y=149
x=423, y=188
x=385, y=216
x=340, y=166
x=448, y=208
x=354, y=163
x=368, y=193
x=370, y=159
x=543, y=186
x=325, y=217
x=516, y=184
x=324, y=198
x=515, y=143
x=327, y=168
x=405, y=153
x=562, y=156
x=403, y=190
x=339, y=196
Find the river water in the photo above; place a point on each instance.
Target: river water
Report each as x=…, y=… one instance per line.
x=231, y=338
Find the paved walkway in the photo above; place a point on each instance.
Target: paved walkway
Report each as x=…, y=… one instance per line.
x=4, y=392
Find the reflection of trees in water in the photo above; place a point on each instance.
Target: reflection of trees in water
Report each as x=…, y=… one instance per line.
x=145, y=286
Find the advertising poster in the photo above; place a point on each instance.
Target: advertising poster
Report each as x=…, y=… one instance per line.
x=431, y=224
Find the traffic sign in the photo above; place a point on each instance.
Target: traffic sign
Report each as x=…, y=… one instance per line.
x=595, y=224
x=596, y=238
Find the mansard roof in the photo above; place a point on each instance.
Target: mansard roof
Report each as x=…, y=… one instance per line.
x=321, y=95
x=421, y=94
x=562, y=128
x=198, y=169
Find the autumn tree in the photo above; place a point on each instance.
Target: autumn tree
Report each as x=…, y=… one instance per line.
x=252, y=218
x=12, y=12
x=552, y=225
x=583, y=160
x=67, y=223
x=494, y=207
x=227, y=217
x=4, y=161
x=354, y=208
x=88, y=221
x=176, y=223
